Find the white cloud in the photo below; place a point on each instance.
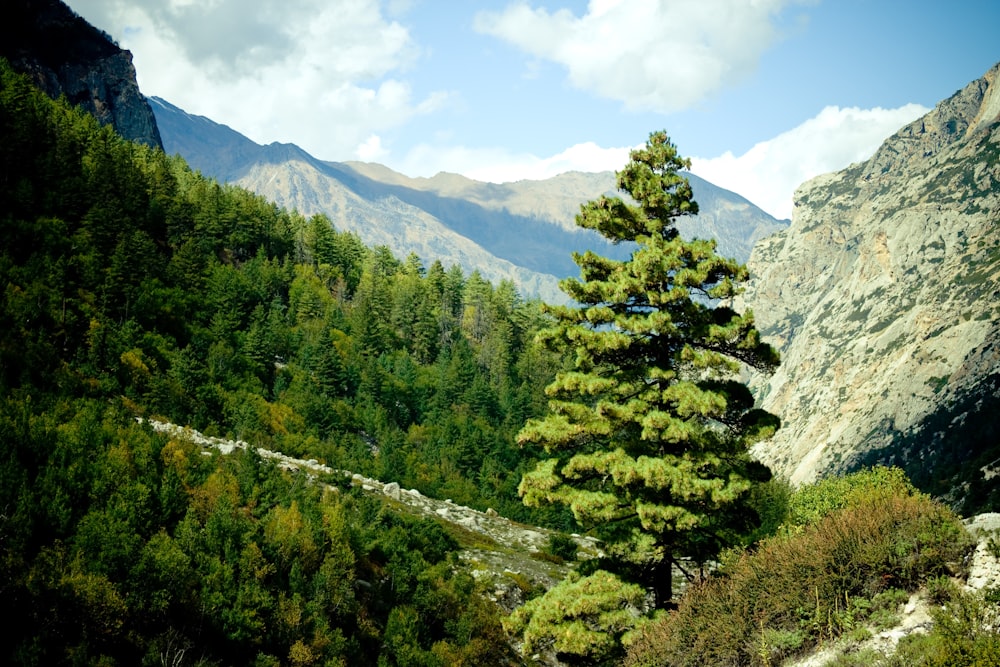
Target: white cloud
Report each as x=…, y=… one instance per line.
x=324, y=75
x=496, y=165
x=768, y=173
x=652, y=56
x=371, y=149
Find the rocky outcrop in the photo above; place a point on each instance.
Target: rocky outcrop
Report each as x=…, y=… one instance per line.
x=883, y=297
x=64, y=55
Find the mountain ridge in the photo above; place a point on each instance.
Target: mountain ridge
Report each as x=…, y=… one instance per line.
x=522, y=231
x=65, y=55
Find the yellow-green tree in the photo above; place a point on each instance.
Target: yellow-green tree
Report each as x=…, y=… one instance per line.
x=647, y=434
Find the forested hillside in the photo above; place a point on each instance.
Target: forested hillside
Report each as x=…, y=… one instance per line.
x=132, y=287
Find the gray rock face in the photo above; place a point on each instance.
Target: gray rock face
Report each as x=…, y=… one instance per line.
x=883, y=294
x=64, y=55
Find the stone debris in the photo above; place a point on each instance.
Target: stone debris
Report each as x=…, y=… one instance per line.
x=516, y=544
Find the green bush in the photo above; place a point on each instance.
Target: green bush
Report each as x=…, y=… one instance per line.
x=561, y=546
x=941, y=589
x=854, y=545
x=965, y=634
x=865, y=658
x=812, y=503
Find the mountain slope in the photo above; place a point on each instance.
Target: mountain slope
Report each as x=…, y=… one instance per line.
x=725, y=216
x=883, y=298
x=521, y=231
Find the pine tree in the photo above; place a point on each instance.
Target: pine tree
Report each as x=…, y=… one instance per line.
x=648, y=433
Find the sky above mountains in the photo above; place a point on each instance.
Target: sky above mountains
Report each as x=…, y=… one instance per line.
x=761, y=94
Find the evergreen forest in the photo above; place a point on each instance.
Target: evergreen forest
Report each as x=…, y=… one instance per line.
x=134, y=287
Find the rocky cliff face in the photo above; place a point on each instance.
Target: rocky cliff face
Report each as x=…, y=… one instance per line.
x=884, y=299
x=64, y=55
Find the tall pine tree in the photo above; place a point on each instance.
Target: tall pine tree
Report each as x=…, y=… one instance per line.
x=648, y=433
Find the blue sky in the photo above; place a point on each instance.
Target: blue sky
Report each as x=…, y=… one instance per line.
x=761, y=94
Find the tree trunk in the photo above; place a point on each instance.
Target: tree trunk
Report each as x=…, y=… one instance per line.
x=663, y=581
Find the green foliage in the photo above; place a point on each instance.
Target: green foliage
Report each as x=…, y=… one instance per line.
x=647, y=432
x=248, y=561
x=562, y=547
x=843, y=569
x=132, y=286
x=941, y=589
x=126, y=274
x=863, y=658
x=814, y=502
x=582, y=619
x=964, y=634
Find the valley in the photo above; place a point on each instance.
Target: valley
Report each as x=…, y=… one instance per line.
x=257, y=407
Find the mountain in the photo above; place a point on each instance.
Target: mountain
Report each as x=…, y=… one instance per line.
x=884, y=298
x=522, y=231
x=65, y=55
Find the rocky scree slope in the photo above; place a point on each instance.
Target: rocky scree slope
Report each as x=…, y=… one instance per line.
x=65, y=55
x=883, y=297
x=505, y=553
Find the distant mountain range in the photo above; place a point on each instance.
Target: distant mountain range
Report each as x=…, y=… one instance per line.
x=522, y=231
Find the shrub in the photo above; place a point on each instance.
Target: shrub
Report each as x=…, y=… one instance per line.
x=582, y=619
x=941, y=589
x=561, y=546
x=854, y=541
x=865, y=658
x=965, y=634
x=812, y=503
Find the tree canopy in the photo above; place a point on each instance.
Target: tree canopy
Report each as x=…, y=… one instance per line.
x=647, y=432
x=131, y=286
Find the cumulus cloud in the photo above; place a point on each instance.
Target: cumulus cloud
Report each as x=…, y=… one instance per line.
x=768, y=173
x=335, y=68
x=651, y=56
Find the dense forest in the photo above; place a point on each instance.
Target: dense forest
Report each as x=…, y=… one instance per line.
x=134, y=287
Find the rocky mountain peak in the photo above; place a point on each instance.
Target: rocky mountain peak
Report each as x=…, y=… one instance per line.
x=882, y=297
x=970, y=110
x=65, y=55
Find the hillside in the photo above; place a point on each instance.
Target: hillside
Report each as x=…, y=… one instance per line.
x=134, y=287
x=882, y=296
x=522, y=231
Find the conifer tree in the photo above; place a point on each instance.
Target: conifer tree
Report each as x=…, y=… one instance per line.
x=647, y=434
